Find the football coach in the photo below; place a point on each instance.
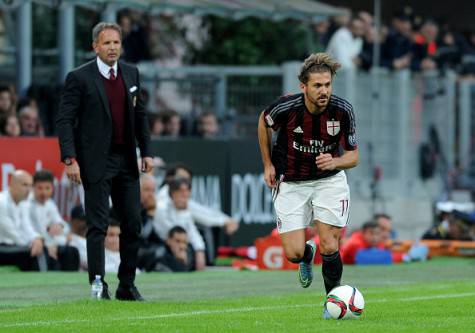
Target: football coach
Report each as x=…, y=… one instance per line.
x=100, y=121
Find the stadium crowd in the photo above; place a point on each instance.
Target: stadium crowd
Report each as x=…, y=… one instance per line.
x=34, y=236
x=408, y=41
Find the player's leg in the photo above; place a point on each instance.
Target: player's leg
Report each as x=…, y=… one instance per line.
x=294, y=213
x=331, y=203
x=332, y=266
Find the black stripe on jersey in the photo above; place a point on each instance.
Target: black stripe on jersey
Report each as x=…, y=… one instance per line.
x=298, y=137
x=315, y=129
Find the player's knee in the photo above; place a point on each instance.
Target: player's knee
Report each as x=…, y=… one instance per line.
x=328, y=246
x=294, y=256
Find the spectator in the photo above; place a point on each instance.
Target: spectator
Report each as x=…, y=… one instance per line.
x=449, y=52
x=172, y=123
x=202, y=215
x=424, y=48
x=385, y=222
x=173, y=255
x=10, y=126
x=20, y=245
x=6, y=101
x=46, y=220
x=29, y=122
x=320, y=31
x=77, y=237
x=208, y=126
x=368, y=237
x=156, y=125
x=456, y=228
x=396, y=50
x=175, y=212
x=346, y=43
x=111, y=244
x=134, y=42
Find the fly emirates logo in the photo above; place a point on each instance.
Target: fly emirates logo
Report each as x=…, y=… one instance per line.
x=314, y=147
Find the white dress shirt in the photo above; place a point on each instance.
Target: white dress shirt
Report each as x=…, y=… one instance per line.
x=42, y=216
x=104, y=68
x=344, y=47
x=201, y=214
x=14, y=229
x=167, y=216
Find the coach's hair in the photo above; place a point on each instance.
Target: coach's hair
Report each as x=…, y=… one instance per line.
x=43, y=176
x=101, y=26
x=317, y=63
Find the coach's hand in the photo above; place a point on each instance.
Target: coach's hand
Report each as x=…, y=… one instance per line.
x=325, y=162
x=72, y=171
x=269, y=175
x=147, y=164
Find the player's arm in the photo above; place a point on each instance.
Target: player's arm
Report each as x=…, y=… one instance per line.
x=265, y=139
x=348, y=160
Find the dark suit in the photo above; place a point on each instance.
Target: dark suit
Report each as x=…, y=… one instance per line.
x=84, y=126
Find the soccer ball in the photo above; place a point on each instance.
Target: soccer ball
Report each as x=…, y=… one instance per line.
x=345, y=302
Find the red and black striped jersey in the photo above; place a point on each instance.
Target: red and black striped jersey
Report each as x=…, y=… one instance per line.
x=303, y=135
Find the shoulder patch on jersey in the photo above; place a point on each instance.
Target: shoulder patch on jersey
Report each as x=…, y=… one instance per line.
x=269, y=120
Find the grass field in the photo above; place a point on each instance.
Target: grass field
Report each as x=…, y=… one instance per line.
x=434, y=296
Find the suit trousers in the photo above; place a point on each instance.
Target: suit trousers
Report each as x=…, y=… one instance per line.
x=121, y=183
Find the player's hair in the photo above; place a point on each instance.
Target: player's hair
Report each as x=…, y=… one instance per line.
x=318, y=63
x=176, y=230
x=43, y=176
x=101, y=26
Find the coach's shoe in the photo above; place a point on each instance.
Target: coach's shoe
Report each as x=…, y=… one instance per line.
x=128, y=294
x=305, y=270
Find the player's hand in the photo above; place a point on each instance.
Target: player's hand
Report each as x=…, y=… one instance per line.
x=269, y=176
x=36, y=247
x=72, y=171
x=325, y=162
x=147, y=164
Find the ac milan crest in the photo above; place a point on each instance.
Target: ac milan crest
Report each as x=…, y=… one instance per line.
x=333, y=127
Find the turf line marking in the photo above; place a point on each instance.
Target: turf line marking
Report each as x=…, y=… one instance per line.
x=222, y=311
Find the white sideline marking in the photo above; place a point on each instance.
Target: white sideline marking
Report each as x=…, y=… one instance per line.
x=233, y=310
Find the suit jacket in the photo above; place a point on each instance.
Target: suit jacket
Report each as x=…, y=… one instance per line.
x=84, y=122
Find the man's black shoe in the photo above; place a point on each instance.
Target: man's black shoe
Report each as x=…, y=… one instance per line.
x=128, y=294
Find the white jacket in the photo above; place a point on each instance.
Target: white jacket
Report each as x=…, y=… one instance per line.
x=14, y=229
x=43, y=215
x=344, y=47
x=201, y=214
x=167, y=217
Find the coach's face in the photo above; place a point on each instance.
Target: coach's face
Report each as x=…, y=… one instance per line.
x=108, y=46
x=318, y=89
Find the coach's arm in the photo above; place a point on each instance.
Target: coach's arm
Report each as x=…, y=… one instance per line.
x=265, y=139
x=348, y=160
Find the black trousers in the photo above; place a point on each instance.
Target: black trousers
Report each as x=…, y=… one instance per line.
x=19, y=256
x=120, y=181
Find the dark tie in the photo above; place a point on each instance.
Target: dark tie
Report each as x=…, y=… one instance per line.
x=111, y=74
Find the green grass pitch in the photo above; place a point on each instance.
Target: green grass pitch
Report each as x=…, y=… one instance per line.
x=433, y=296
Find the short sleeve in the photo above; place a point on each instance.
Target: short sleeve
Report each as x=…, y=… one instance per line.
x=350, y=141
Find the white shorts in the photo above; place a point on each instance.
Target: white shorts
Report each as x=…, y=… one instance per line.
x=298, y=204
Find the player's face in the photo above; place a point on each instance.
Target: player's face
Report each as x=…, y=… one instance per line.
x=108, y=46
x=43, y=191
x=318, y=89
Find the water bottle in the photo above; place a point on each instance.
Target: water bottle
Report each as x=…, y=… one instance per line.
x=96, y=288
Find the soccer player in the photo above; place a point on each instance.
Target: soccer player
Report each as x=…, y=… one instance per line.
x=316, y=141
